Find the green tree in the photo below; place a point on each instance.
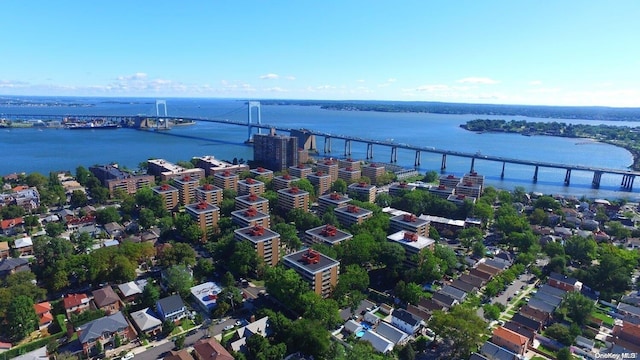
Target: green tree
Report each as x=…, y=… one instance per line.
x=54, y=229
x=561, y=333
x=431, y=176
x=305, y=185
x=409, y=293
x=564, y=354
x=78, y=199
x=107, y=215
x=582, y=250
x=21, y=318
x=339, y=186
x=462, y=327
x=31, y=221
x=178, y=278
x=491, y=312
x=309, y=337
x=178, y=253
x=617, y=230
x=288, y=235
x=82, y=175
x=150, y=295
x=407, y=353
x=146, y=218
x=244, y=259
x=354, y=281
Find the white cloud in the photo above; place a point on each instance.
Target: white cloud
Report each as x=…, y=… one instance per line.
x=290, y=77
x=275, y=89
x=325, y=87
x=392, y=80
x=477, y=80
x=432, y=88
x=270, y=76
x=535, y=82
x=13, y=84
x=360, y=80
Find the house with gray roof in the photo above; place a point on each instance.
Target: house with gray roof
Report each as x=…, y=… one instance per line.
x=464, y=286
x=406, y=321
x=10, y=266
x=259, y=327
x=146, y=321
x=494, y=352
x=546, y=288
x=393, y=334
x=379, y=343
x=104, y=330
x=444, y=299
x=502, y=265
x=541, y=305
x=549, y=299
x=529, y=323
x=473, y=280
x=629, y=310
x=453, y=292
x=171, y=308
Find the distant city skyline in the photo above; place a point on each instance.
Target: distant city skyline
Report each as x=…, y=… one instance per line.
x=571, y=52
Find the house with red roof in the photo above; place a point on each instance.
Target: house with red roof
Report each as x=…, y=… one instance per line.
x=510, y=340
x=210, y=349
x=75, y=304
x=43, y=310
x=12, y=226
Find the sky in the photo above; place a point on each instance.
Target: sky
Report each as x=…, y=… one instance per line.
x=498, y=52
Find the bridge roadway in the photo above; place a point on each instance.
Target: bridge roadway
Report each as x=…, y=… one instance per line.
x=628, y=176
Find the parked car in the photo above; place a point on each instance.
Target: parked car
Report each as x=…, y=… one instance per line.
x=228, y=327
x=128, y=356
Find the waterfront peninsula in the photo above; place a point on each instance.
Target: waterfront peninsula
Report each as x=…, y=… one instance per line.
x=623, y=136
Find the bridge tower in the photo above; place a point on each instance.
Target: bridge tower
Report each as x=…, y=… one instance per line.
x=250, y=106
x=164, y=107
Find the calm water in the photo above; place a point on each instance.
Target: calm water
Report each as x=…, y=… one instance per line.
x=32, y=150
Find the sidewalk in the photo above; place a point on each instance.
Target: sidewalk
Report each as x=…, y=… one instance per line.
x=139, y=348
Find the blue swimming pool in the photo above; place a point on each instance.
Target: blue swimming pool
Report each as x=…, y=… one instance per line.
x=360, y=333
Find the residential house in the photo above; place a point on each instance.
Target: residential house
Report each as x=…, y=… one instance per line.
x=171, y=308
x=259, y=327
x=11, y=227
x=10, y=266
x=43, y=311
x=114, y=230
x=473, y=280
x=476, y=356
x=541, y=305
x=24, y=245
x=379, y=343
x=492, y=351
x=4, y=249
x=564, y=282
x=393, y=334
x=510, y=340
x=146, y=321
x=516, y=327
x=104, y=330
x=75, y=304
x=535, y=314
x=179, y=355
x=444, y=300
x=351, y=326
x=480, y=274
x=210, y=349
x=406, y=321
x=585, y=343
x=132, y=290
x=546, y=297
x=529, y=323
x=463, y=286
x=453, y=292
x=553, y=291
x=629, y=310
x=488, y=269
x=107, y=300
x=422, y=314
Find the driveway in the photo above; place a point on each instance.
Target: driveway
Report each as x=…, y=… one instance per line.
x=510, y=292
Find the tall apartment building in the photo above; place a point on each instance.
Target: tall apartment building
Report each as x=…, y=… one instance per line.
x=211, y=165
x=293, y=198
x=205, y=215
x=186, y=186
x=320, y=271
x=326, y=234
x=409, y=222
x=450, y=181
x=250, y=186
x=276, y=152
x=260, y=171
x=113, y=178
x=301, y=171
x=209, y=193
x=460, y=199
x=373, y=172
x=266, y=242
x=167, y=170
x=332, y=200
x=349, y=162
x=362, y=191
x=441, y=191
x=329, y=166
x=351, y=214
x=412, y=244
x=226, y=180
x=400, y=188
x=283, y=181
x=349, y=174
x=252, y=200
x=468, y=189
x=169, y=194
x=250, y=217
x=321, y=182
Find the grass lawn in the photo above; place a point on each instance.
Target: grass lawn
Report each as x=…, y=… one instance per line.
x=538, y=358
x=547, y=351
x=226, y=336
x=380, y=315
x=187, y=324
x=604, y=317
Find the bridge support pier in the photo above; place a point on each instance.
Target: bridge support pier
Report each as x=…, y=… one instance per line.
x=443, y=165
x=416, y=162
x=502, y=173
x=347, y=147
x=327, y=144
x=567, y=177
x=595, y=183
x=535, y=175
x=369, y=151
x=473, y=162
x=627, y=181
x=394, y=154
x=250, y=106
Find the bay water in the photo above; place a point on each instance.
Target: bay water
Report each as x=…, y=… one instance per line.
x=43, y=150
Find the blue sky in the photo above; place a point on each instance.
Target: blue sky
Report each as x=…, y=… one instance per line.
x=513, y=52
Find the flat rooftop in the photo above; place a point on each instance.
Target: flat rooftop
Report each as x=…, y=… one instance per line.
x=256, y=235
x=420, y=243
x=297, y=260
x=201, y=207
x=247, y=215
x=355, y=211
x=329, y=234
